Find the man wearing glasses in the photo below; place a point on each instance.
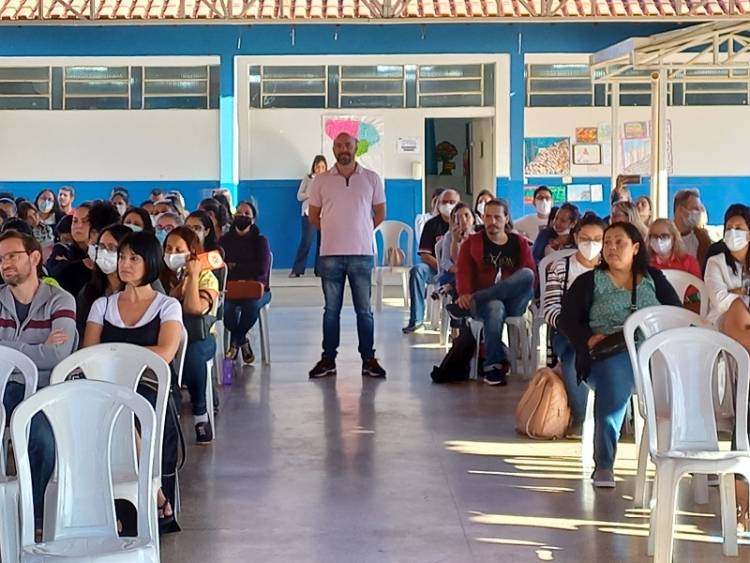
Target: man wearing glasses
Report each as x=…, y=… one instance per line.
x=40, y=321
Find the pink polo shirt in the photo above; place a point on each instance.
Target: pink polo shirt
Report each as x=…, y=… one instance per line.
x=346, y=210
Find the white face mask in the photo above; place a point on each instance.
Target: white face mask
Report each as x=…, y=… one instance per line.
x=480, y=207
x=693, y=218
x=134, y=228
x=543, y=207
x=735, y=239
x=121, y=208
x=563, y=232
x=92, y=252
x=175, y=261
x=45, y=206
x=107, y=261
x=590, y=249
x=661, y=246
x=446, y=208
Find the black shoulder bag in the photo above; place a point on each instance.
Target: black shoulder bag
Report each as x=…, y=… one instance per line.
x=614, y=343
x=198, y=327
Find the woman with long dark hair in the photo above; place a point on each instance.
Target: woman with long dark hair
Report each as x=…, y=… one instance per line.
x=202, y=225
x=49, y=210
x=248, y=257
x=595, y=308
x=319, y=165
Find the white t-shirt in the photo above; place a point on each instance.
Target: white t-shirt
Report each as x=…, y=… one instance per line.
x=691, y=243
x=167, y=308
x=530, y=225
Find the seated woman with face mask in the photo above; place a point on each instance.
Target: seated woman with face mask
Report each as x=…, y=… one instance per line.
x=558, y=235
x=197, y=289
x=668, y=252
x=248, y=257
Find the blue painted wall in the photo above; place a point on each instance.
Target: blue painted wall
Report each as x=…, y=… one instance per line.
x=279, y=209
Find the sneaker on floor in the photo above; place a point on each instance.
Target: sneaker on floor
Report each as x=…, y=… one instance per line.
x=371, y=368
x=232, y=352
x=604, y=478
x=247, y=353
x=457, y=312
x=325, y=367
x=204, y=434
x=408, y=329
x=496, y=376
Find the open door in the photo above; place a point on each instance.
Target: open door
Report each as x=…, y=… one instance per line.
x=481, y=155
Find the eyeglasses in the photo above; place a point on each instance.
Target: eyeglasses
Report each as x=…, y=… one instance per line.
x=662, y=237
x=165, y=228
x=12, y=257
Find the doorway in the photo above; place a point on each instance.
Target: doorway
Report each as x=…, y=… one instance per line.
x=459, y=155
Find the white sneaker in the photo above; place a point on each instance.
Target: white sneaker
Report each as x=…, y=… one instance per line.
x=604, y=479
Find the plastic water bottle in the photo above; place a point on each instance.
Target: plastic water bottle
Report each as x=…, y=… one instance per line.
x=227, y=371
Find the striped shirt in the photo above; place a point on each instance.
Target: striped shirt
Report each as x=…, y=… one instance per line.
x=556, y=286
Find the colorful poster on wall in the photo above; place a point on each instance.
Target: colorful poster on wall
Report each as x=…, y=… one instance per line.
x=587, y=154
x=636, y=130
x=559, y=194
x=587, y=135
x=369, y=134
x=546, y=156
x=636, y=154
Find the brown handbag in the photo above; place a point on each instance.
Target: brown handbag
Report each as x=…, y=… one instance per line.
x=240, y=290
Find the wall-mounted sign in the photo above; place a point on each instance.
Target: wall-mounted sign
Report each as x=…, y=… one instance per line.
x=409, y=145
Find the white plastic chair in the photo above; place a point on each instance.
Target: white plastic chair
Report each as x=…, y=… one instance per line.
x=391, y=231
x=538, y=335
x=122, y=364
x=681, y=281
x=219, y=329
x=688, y=358
x=179, y=358
x=13, y=361
x=518, y=344
x=82, y=415
x=263, y=327
x=649, y=322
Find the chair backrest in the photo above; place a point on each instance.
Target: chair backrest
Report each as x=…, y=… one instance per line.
x=11, y=361
x=544, y=265
x=179, y=357
x=688, y=360
x=391, y=231
x=681, y=281
x=82, y=415
x=122, y=364
x=650, y=321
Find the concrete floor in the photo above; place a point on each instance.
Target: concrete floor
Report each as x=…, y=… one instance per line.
x=353, y=470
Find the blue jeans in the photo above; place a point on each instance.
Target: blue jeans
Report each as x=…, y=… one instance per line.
x=446, y=278
x=334, y=270
x=41, y=445
x=241, y=316
x=309, y=232
x=578, y=394
x=194, y=371
x=612, y=382
x=419, y=276
x=507, y=298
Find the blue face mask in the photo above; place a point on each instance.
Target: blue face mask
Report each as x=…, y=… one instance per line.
x=161, y=236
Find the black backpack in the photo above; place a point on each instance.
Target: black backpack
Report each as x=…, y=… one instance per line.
x=457, y=362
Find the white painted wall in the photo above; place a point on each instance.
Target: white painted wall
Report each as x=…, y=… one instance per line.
x=707, y=140
x=109, y=145
x=280, y=143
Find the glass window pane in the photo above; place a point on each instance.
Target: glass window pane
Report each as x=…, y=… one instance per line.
x=21, y=88
x=24, y=102
x=175, y=87
x=635, y=99
x=560, y=100
x=294, y=101
x=96, y=72
x=559, y=70
x=450, y=100
x=294, y=87
x=450, y=71
x=560, y=85
x=489, y=85
x=715, y=99
x=57, y=87
x=255, y=87
x=24, y=73
x=294, y=72
x=96, y=103
x=410, y=72
x=214, y=87
x=449, y=86
x=175, y=73
x=176, y=102
x=372, y=86
x=372, y=101
x=377, y=71
x=95, y=88
x=136, y=85
x=715, y=87
x=333, y=86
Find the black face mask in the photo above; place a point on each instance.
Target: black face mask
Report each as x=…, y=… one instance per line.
x=242, y=222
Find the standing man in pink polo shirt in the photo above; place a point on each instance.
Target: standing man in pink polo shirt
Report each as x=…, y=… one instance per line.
x=346, y=204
